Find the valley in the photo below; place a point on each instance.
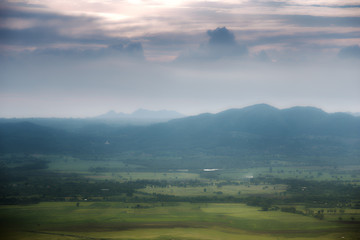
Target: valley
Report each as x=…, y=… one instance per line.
x=239, y=174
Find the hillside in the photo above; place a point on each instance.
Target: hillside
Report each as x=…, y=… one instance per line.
x=252, y=135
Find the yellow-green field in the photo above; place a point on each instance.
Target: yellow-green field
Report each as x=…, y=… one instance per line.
x=111, y=220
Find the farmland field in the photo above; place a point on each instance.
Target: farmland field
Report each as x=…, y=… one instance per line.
x=74, y=198
x=112, y=220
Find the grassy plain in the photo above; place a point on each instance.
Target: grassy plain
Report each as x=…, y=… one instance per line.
x=113, y=220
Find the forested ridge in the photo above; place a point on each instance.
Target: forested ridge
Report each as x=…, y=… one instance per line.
x=255, y=133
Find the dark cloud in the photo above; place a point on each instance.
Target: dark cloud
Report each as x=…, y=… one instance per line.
x=221, y=37
x=44, y=38
x=350, y=52
x=8, y=12
x=221, y=44
x=45, y=35
x=121, y=50
x=32, y=36
x=48, y=28
x=52, y=29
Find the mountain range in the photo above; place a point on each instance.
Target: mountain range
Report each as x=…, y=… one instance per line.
x=253, y=135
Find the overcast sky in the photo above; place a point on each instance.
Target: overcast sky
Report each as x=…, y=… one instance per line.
x=82, y=58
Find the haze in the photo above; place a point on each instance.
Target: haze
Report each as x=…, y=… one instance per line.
x=84, y=58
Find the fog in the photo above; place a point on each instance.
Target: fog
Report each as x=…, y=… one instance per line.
x=87, y=88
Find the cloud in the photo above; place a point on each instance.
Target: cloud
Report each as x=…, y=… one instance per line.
x=262, y=56
x=350, y=52
x=52, y=34
x=286, y=3
x=318, y=21
x=304, y=45
x=34, y=28
x=336, y=6
x=130, y=49
x=166, y=32
x=54, y=77
x=298, y=40
x=36, y=36
x=10, y=12
x=221, y=37
x=22, y=4
x=221, y=44
x=122, y=50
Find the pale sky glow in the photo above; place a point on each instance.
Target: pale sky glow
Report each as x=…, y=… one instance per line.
x=82, y=58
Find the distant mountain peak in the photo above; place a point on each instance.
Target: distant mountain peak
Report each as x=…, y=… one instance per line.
x=142, y=114
x=111, y=114
x=306, y=108
x=260, y=107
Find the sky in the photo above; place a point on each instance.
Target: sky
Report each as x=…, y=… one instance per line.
x=83, y=58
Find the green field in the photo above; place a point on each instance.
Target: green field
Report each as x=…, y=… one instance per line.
x=114, y=220
x=62, y=197
x=113, y=168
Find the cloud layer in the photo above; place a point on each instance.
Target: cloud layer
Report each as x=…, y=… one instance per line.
x=178, y=26
x=83, y=58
